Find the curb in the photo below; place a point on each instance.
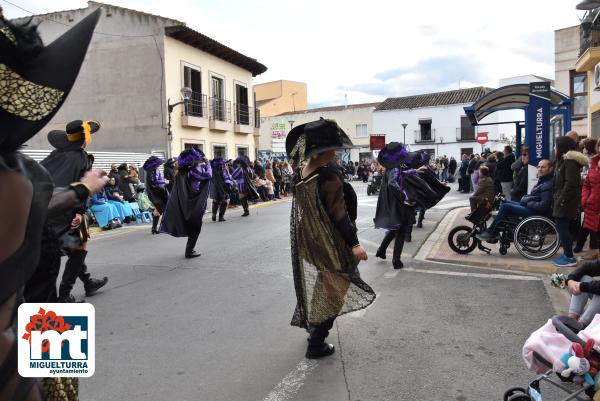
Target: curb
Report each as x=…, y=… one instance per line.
x=430, y=247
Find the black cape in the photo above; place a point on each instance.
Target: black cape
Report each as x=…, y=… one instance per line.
x=219, y=190
x=251, y=192
x=157, y=195
x=185, y=208
x=65, y=168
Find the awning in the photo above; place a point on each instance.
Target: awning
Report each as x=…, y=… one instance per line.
x=507, y=98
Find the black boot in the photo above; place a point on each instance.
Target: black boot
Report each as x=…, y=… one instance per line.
x=222, y=210
x=215, y=208
x=408, y=233
x=90, y=284
x=244, y=203
x=398, y=246
x=317, y=347
x=389, y=236
x=155, y=224
x=191, y=243
x=72, y=269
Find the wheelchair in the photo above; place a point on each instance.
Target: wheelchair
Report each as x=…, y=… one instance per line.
x=535, y=237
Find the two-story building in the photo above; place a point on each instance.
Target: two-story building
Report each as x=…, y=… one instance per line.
x=586, y=77
x=355, y=119
x=136, y=65
x=435, y=122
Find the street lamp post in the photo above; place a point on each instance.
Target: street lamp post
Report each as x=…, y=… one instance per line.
x=404, y=125
x=186, y=94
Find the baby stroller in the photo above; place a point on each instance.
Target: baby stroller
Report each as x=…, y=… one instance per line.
x=374, y=184
x=563, y=353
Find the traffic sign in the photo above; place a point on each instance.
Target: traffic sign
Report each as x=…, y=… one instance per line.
x=482, y=137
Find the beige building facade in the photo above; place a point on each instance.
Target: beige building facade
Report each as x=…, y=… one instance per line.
x=278, y=97
x=220, y=118
x=568, y=80
x=356, y=120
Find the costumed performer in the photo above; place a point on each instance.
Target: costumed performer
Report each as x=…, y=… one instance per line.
x=243, y=175
x=324, y=244
x=222, y=185
x=34, y=82
x=156, y=189
x=187, y=202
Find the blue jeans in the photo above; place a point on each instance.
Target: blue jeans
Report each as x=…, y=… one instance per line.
x=562, y=226
x=509, y=208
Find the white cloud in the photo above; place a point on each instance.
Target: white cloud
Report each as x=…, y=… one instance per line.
x=351, y=47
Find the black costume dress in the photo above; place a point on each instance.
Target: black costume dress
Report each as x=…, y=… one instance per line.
x=326, y=276
x=187, y=204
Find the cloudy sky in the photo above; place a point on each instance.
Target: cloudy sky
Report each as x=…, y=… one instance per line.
x=370, y=50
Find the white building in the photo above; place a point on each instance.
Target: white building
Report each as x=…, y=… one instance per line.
x=355, y=119
x=436, y=122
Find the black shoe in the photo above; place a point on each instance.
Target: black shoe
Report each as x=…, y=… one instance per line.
x=486, y=236
x=222, y=219
x=407, y=237
x=380, y=254
x=246, y=213
x=397, y=264
x=155, y=231
x=420, y=224
x=94, y=285
x=214, y=217
x=191, y=255
x=320, y=351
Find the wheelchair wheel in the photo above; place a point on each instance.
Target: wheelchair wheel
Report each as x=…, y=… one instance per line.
x=461, y=241
x=536, y=238
x=513, y=391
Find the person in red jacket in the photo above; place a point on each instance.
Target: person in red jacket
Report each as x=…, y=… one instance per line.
x=590, y=200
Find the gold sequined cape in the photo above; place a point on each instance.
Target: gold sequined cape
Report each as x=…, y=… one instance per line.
x=326, y=276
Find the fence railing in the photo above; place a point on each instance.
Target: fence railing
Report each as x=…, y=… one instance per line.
x=589, y=32
x=220, y=109
x=197, y=105
x=422, y=136
x=244, y=114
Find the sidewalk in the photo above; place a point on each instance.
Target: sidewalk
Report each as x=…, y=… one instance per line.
x=436, y=248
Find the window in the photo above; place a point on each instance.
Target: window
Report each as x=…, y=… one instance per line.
x=219, y=151
x=425, y=130
x=192, y=79
x=197, y=146
x=242, y=111
x=467, y=131
x=596, y=124
x=466, y=151
x=579, y=93
x=218, y=98
x=242, y=150
x=361, y=131
x=430, y=152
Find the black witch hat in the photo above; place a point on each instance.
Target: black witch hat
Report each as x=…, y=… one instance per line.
x=309, y=139
x=35, y=80
x=76, y=134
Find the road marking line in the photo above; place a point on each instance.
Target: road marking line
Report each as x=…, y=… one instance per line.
x=478, y=275
x=291, y=383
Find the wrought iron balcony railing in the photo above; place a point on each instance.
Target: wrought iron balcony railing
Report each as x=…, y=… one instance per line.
x=423, y=136
x=197, y=105
x=244, y=114
x=220, y=109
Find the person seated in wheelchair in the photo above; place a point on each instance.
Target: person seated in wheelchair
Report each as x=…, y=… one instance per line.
x=538, y=202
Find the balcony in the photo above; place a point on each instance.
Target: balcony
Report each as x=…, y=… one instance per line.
x=466, y=134
x=424, y=136
x=196, y=112
x=589, y=42
x=244, y=116
x=219, y=114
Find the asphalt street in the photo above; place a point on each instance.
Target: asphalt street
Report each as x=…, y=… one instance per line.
x=216, y=328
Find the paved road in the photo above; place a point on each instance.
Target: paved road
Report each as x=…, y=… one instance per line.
x=217, y=327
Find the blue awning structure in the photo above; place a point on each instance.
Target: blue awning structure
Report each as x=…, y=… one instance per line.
x=508, y=98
